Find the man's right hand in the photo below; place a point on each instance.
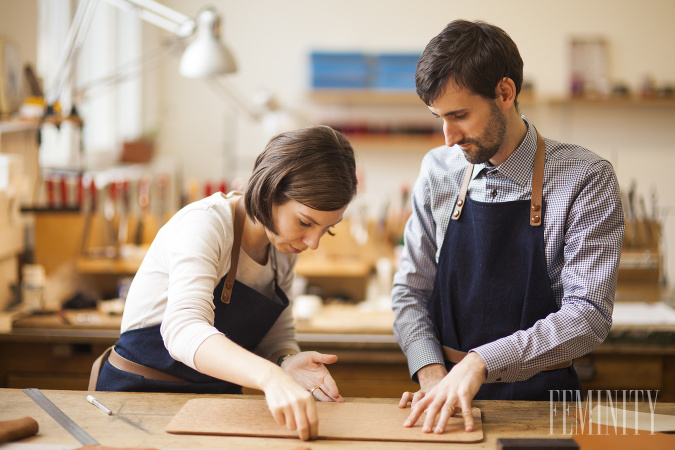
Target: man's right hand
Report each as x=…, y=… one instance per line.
x=428, y=376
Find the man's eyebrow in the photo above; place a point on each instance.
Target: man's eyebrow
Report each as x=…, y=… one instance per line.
x=450, y=113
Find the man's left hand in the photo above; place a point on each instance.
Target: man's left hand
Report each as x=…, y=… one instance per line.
x=456, y=390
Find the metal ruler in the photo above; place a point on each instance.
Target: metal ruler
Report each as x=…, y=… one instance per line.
x=60, y=417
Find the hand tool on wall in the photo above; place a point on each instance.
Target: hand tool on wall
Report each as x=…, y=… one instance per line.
x=123, y=212
x=88, y=207
x=144, y=203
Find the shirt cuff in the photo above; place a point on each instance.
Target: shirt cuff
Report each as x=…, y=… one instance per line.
x=501, y=361
x=421, y=354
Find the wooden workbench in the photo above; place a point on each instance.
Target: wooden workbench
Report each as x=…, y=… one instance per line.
x=139, y=420
x=44, y=352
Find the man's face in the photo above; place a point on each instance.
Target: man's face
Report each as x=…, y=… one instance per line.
x=474, y=123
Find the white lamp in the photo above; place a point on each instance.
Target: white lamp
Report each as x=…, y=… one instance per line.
x=206, y=55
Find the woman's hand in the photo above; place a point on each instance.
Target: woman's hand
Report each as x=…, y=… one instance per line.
x=307, y=368
x=292, y=406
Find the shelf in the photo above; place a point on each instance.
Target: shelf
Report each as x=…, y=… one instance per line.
x=627, y=101
x=423, y=142
x=7, y=126
x=109, y=266
x=365, y=97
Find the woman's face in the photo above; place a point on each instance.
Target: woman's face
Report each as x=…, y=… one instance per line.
x=300, y=227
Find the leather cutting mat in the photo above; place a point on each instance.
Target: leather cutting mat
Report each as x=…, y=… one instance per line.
x=348, y=421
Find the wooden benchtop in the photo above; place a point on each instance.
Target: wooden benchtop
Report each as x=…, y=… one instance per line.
x=139, y=420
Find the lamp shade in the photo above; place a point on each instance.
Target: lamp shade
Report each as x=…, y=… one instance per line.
x=206, y=55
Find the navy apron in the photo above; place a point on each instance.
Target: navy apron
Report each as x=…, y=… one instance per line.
x=492, y=281
x=244, y=317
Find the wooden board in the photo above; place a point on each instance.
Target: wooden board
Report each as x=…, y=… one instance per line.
x=348, y=421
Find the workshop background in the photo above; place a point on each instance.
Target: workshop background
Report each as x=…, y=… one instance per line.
x=146, y=141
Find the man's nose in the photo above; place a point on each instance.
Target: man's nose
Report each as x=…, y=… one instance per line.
x=451, y=134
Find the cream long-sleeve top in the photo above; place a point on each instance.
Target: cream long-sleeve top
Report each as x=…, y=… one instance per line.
x=174, y=284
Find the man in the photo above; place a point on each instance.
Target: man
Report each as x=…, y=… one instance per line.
x=503, y=282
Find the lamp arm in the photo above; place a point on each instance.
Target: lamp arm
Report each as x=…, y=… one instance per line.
x=148, y=10
x=159, y=15
x=223, y=88
x=74, y=40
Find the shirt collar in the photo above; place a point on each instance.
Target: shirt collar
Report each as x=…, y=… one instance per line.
x=518, y=166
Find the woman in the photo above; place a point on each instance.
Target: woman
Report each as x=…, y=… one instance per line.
x=189, y=326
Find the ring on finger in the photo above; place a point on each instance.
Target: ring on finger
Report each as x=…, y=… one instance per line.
x=449, y=407
x=314, y=389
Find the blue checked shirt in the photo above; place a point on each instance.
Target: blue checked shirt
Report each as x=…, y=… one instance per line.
x=583, y=235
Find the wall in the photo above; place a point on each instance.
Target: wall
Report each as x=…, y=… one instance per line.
x=210, y=138
x=272, y=40
x=18, y=22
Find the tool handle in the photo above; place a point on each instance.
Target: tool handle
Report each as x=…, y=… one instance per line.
x=12, y=430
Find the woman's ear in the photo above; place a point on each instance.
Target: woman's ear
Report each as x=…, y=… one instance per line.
x=506, y=92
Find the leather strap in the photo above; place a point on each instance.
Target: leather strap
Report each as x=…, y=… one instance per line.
x=96, y=368
x=461, y=198
x=537, y=182
x=121, y=363
x=455, y=356
x=239, y=216
x=537, y=186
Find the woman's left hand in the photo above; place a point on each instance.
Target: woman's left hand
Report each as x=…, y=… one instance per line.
x=309, y=371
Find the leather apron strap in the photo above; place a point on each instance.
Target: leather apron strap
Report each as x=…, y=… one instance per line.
x=537, y=186
x=96, y=368
x=239, y=218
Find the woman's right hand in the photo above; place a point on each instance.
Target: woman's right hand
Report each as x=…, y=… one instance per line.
x=292, y=406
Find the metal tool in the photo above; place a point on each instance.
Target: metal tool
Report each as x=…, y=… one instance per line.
x=60, y=417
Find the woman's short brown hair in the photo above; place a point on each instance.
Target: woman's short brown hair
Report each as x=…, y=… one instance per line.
x=314, y=166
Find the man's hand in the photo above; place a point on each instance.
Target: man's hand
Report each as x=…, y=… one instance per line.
x=428, y=376
x=456, y=389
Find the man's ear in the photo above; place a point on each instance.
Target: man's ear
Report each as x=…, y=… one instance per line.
x=506, y=92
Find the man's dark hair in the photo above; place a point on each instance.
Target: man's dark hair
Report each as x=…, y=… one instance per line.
x=474, y=55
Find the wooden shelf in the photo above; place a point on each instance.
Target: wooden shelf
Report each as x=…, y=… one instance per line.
x=619, y=101
x=422, y=142
x=108, y=266
x=7, y=126
x=365, y=97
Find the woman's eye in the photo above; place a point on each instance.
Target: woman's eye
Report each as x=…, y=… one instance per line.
x=304, y=224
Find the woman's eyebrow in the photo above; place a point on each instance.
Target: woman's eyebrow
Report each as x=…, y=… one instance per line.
x=309, y=219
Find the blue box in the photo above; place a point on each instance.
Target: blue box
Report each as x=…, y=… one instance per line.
x=341, y=70
x=396, y=70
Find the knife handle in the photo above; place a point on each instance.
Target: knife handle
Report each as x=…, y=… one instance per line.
x=12, y=430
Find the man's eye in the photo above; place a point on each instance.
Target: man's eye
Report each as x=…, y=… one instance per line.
x=460, y=117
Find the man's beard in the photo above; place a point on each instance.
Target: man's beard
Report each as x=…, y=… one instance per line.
x=490, y=142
